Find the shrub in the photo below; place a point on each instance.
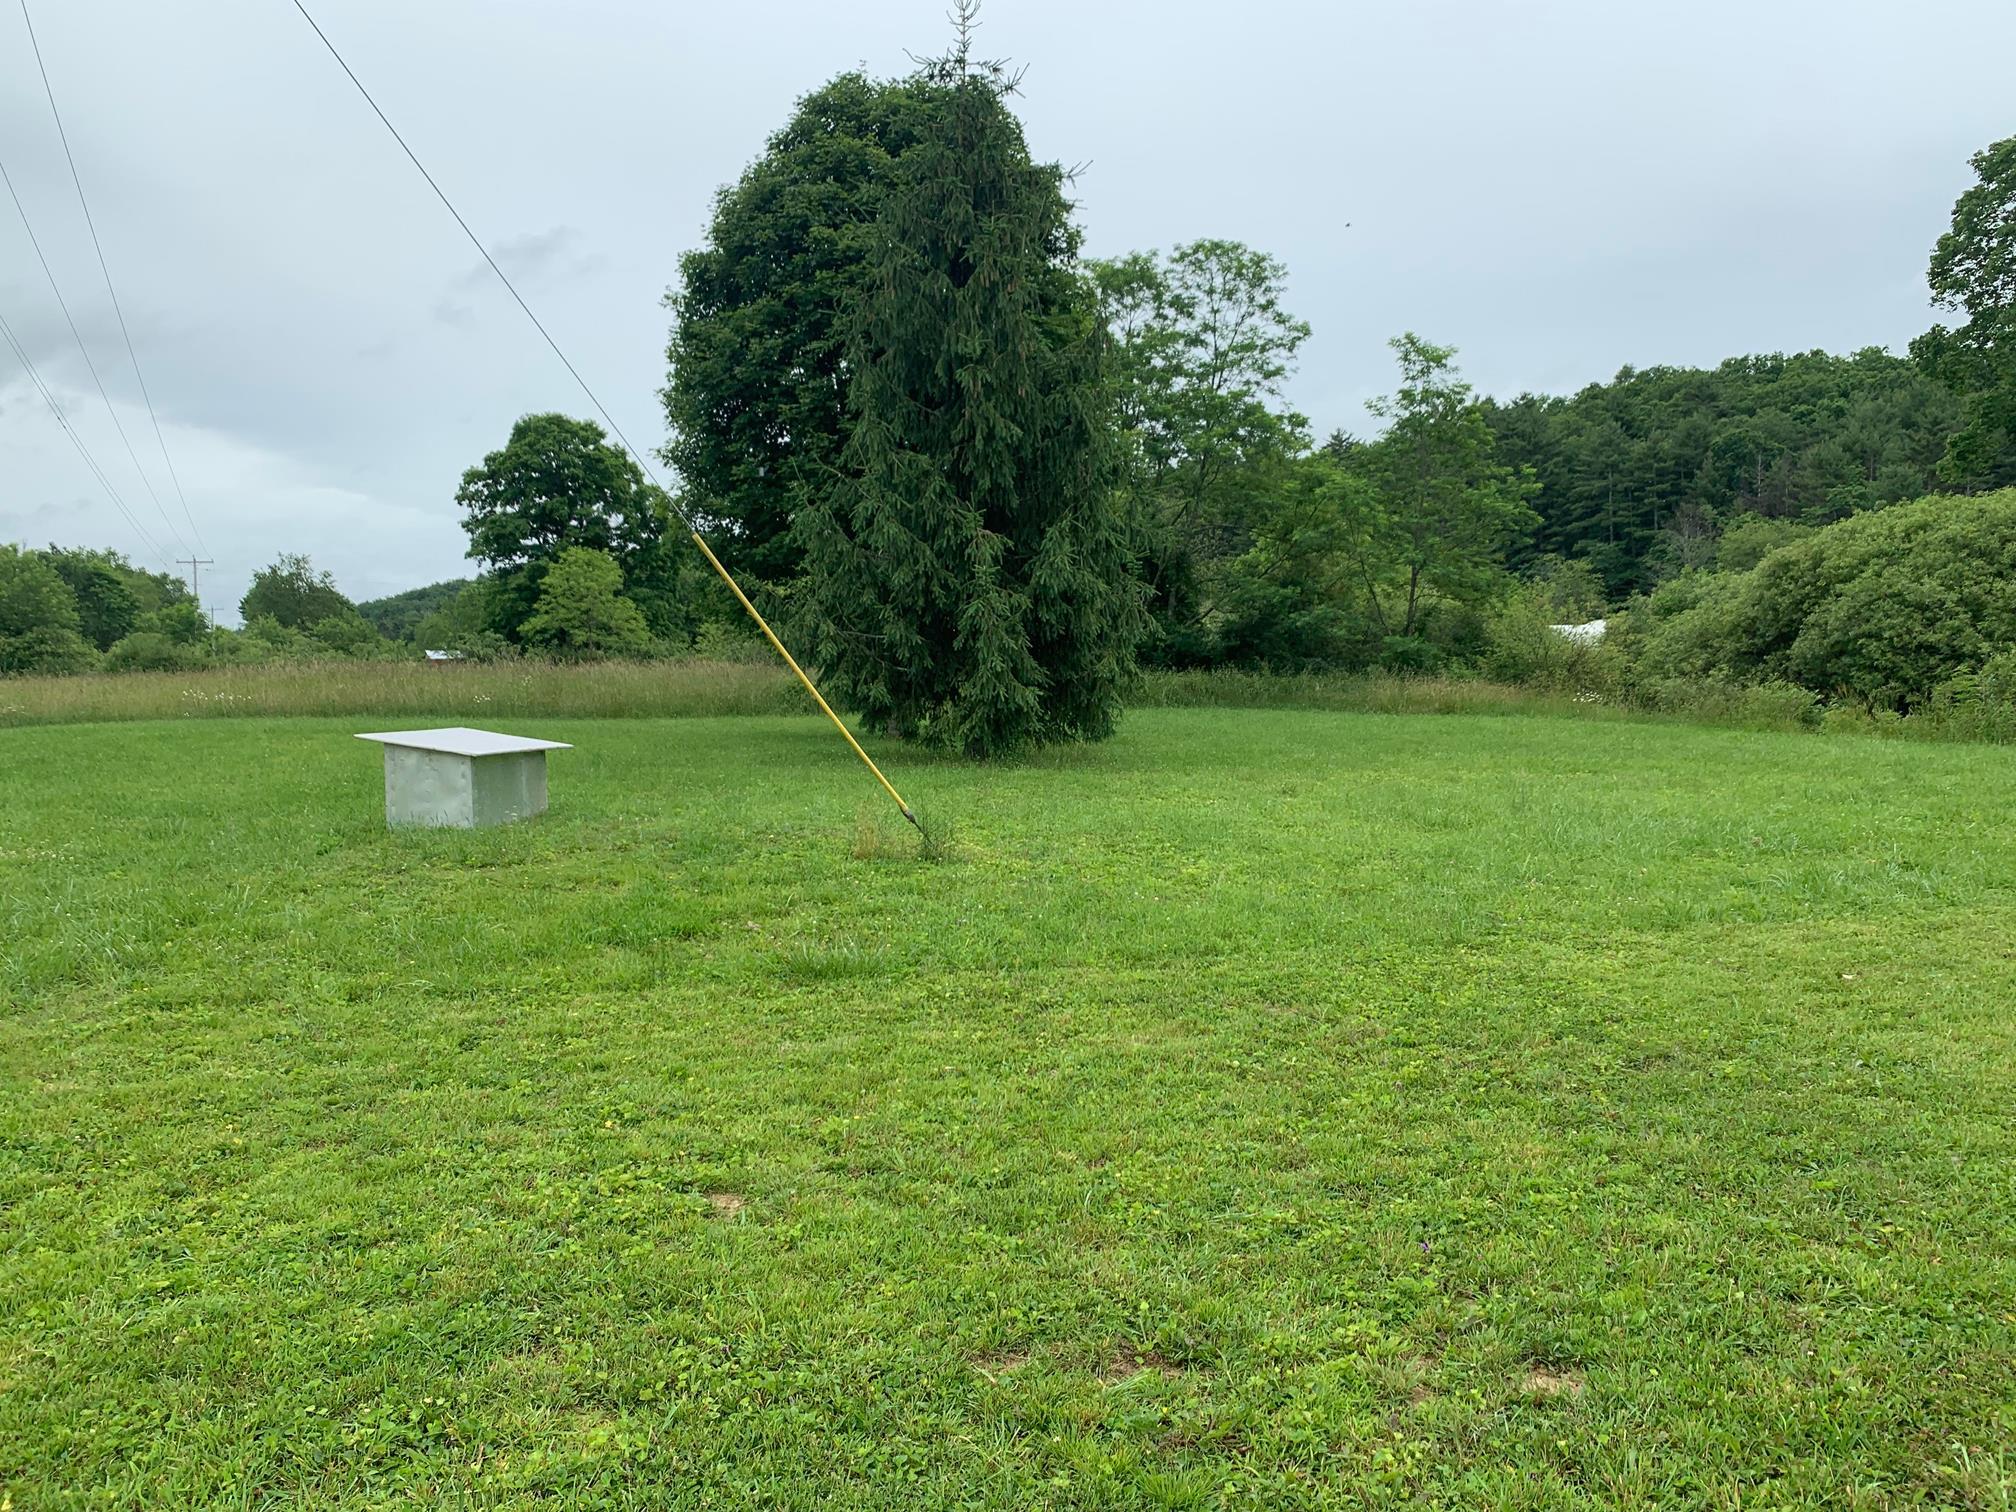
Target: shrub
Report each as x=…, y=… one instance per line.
x=348, y=633
x=1976, y=705
x=480, y=646
x=1883, y=608
x=1569, y=592
x=147, y=651
x=1996, y=681
x=266, y=639
x=1522, y=646
x=732, y=641
x=180, y=620
x=47, y=649
x=1410, y=653
x=1751, y=538
x=1687, y=627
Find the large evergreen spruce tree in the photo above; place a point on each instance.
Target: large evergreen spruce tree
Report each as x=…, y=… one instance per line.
x=970, y=578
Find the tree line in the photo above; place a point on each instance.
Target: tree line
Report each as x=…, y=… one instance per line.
x=982, y=479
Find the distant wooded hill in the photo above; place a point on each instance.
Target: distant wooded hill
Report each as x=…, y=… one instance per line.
x=1641, y=474
x=398, y=615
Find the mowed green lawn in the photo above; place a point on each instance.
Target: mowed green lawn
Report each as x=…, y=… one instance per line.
x=1265, y=1109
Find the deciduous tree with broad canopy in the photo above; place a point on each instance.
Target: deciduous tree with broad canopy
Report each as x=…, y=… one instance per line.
x=756, y=398
x=39, y=626
x=1202, y=348
x=1382, y=531
x=558, y=484
x=293, y=594
x=1973, y=272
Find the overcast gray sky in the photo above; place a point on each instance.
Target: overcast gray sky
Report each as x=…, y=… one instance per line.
x=1557, y=189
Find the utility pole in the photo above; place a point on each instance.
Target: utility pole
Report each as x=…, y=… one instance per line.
x=192, y=563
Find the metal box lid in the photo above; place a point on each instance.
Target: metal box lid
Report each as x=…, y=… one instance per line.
x=460, y=740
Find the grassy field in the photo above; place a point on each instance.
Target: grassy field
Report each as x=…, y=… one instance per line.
x=1264, y=1109
x=400, y=689
x=695, y=686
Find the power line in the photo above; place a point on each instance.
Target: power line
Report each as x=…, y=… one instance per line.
x=477, y=243
x=77, y=441
x=91, y=462
x=638, y=457
x=85, y=352
x=105, y=268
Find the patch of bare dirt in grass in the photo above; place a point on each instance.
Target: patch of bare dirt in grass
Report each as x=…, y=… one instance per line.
x=726, y=1204
x=1542, y=1381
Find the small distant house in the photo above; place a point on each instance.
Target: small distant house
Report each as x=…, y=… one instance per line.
x=1587, y=634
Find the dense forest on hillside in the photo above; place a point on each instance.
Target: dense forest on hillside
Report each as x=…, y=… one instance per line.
x=398, y=616
x=1639, y=476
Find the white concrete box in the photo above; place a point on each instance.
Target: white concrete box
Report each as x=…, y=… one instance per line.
x=462, y=778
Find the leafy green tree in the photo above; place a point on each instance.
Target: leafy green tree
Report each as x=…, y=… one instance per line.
x=756, y=399
x=265, y=639
x=582, y=611
x=1203, y=345
x=1751, y=538
x=558, y=485
x=1973, y=272
x=179, y=620
x=1689, y=626
x=292, y=592
x=674, y=588
x=348, y=633
x=1568, y=593
x=1688, y=543
x=1433, y=510
x=1387, y=550
x=105, y=582
x=38, y=618
x=106, y=607
x=969, y=578
x=463, y=623
x=1294, y=598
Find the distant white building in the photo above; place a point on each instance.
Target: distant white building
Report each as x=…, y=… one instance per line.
x=1584, y=634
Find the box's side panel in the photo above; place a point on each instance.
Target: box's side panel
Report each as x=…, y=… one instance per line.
x=430, y=788
x=535, y=782
x=510, y=786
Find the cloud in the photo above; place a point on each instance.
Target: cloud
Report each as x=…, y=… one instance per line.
x=249, y=504
x=533, y=259
x=536, y=257
x=1594, y=187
